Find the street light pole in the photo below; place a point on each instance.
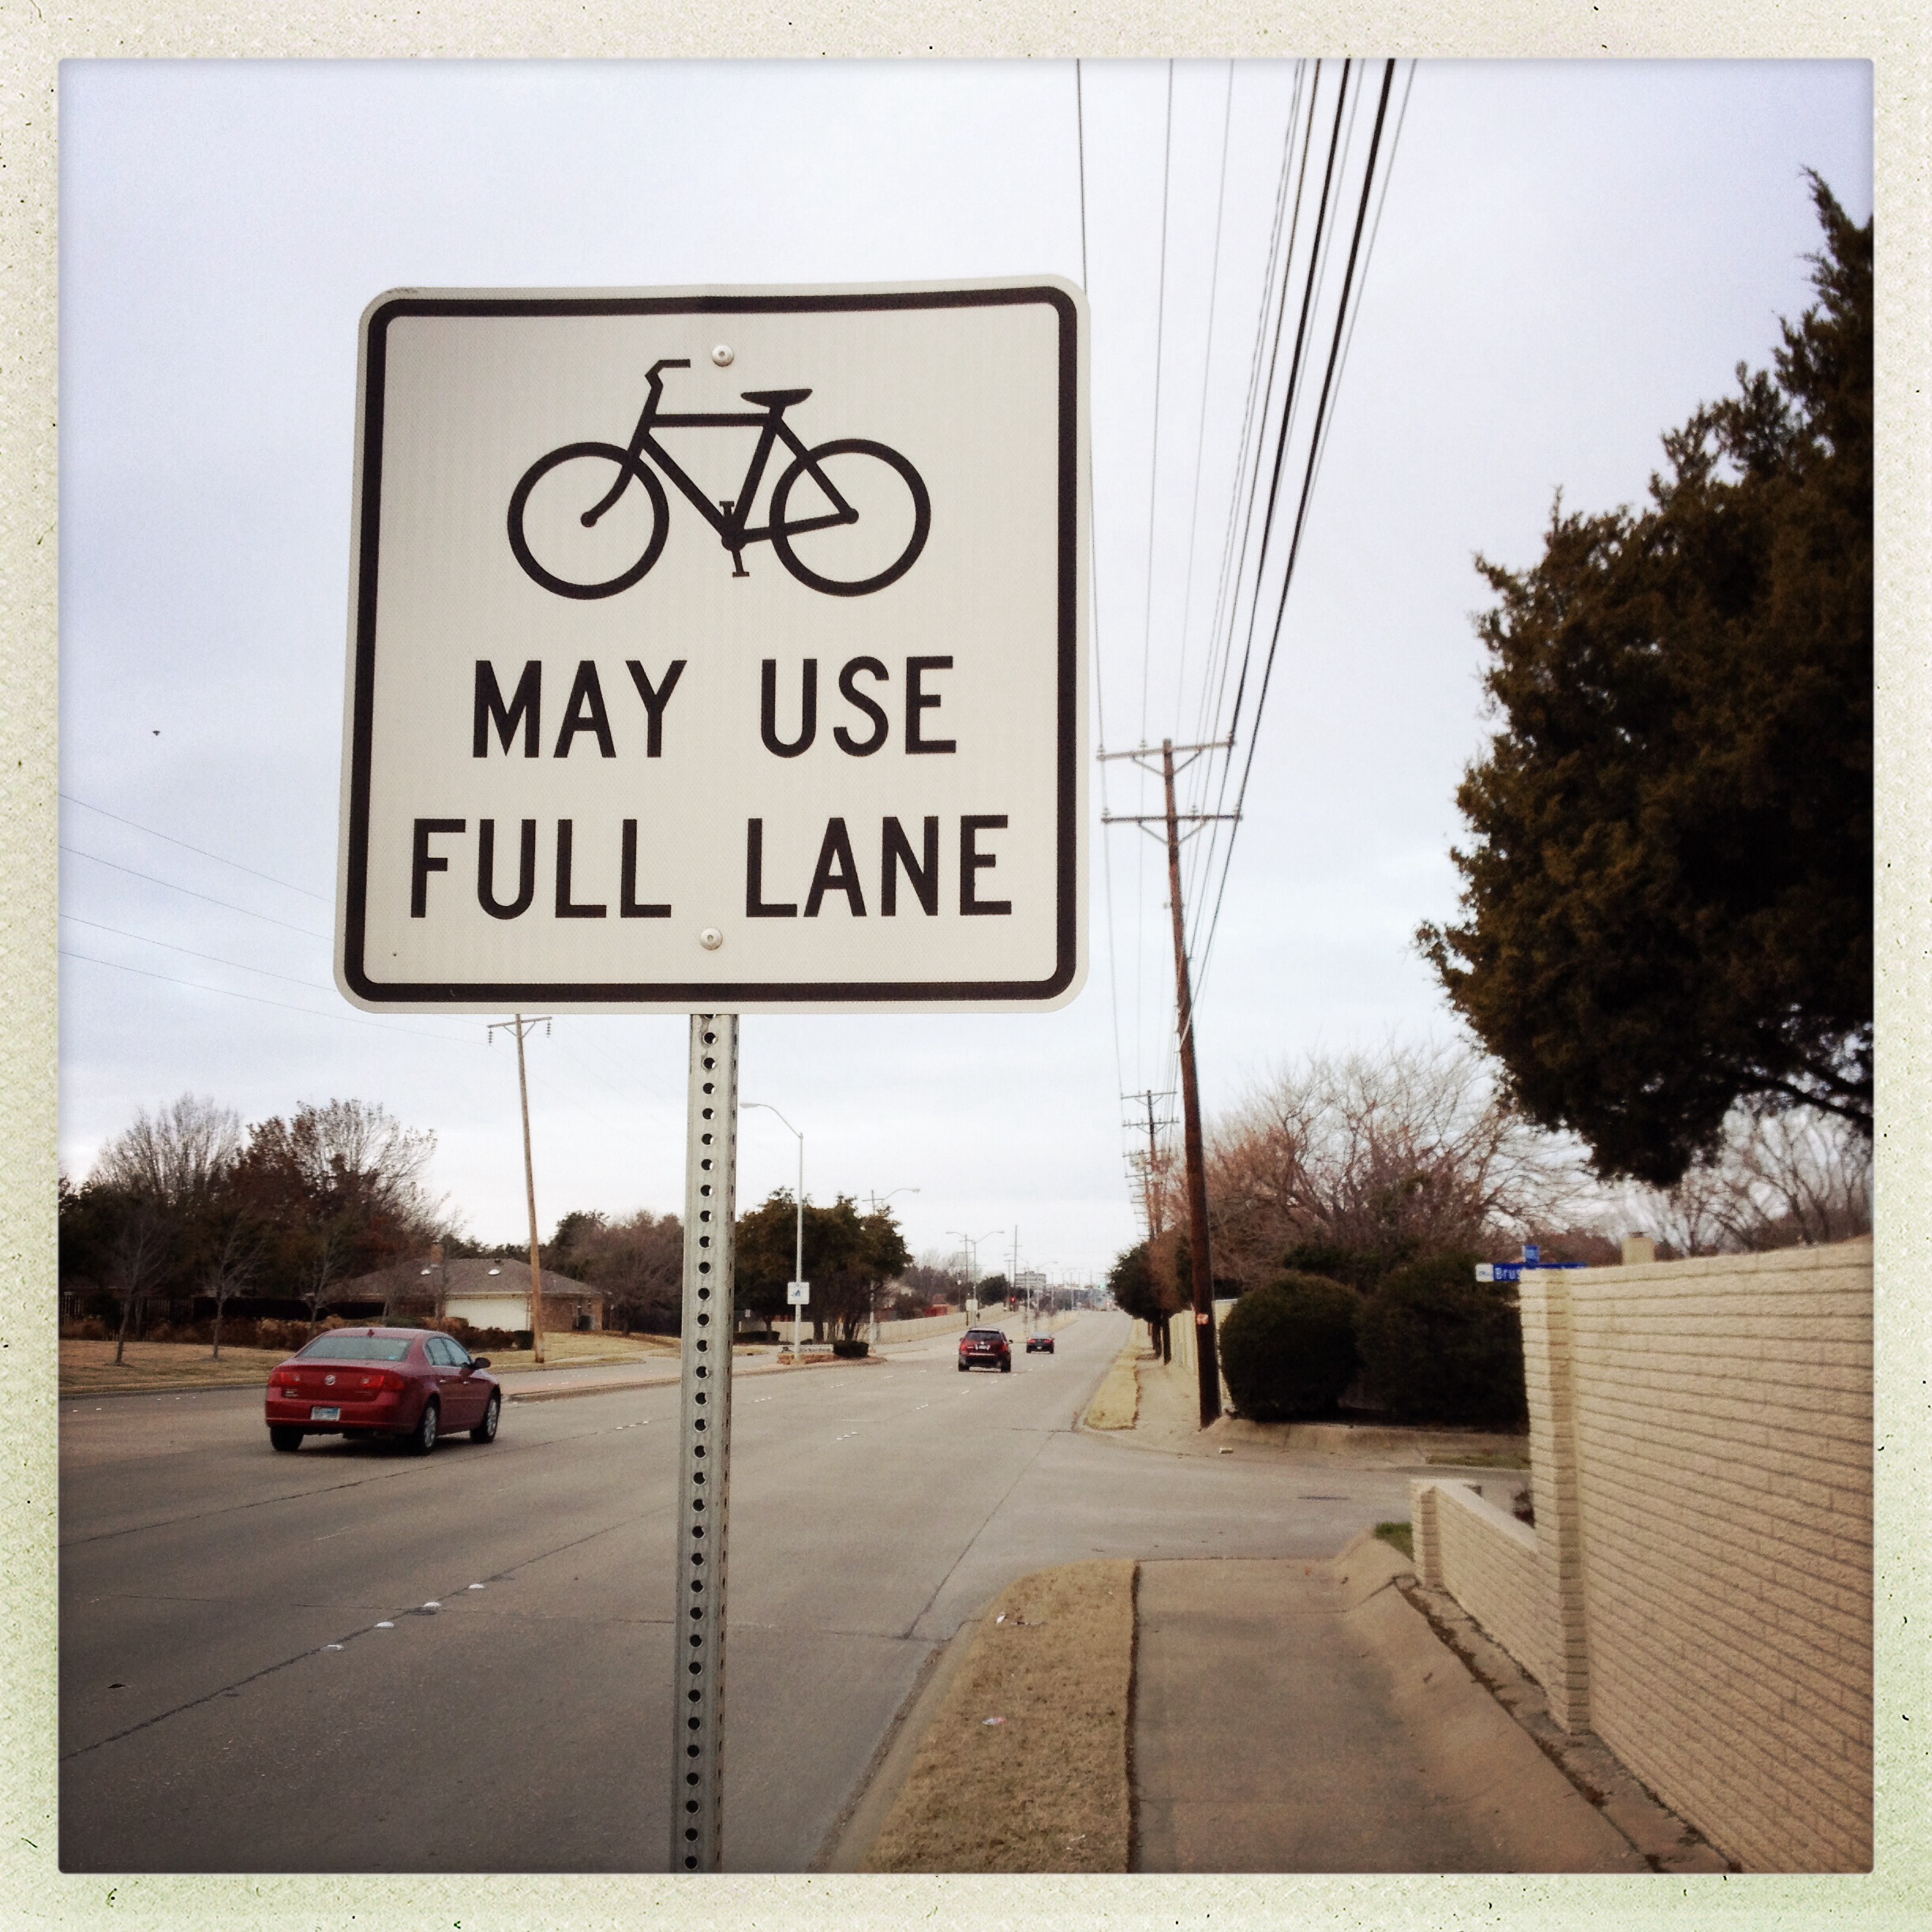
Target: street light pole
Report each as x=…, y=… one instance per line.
x=971, y=1243
x=798, y=1260
x=878, y=1202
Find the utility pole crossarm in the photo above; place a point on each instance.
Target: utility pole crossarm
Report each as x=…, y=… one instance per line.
x=1163, y=818
x=1142, y=751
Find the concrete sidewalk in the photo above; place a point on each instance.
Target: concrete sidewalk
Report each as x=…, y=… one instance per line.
x=1285, y=1717
x=1304, y=1717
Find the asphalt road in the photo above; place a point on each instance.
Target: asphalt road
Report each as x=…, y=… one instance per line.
x=352, y=1660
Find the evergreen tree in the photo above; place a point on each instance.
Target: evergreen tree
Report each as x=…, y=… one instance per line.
x=1667, y=907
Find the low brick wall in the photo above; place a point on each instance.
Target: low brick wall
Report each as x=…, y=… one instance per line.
x=1701, y=1564
x=1489, y=1561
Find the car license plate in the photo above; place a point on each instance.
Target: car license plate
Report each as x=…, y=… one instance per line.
x=324, y=1415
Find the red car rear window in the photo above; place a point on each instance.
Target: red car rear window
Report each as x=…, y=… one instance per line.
x=356, y=1348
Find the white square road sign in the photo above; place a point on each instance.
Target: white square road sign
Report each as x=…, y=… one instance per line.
x=718, y=650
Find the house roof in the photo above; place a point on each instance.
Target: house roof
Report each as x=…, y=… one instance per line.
x=468, y=1280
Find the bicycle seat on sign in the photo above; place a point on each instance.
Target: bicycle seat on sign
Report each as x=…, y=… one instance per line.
x=775, y=399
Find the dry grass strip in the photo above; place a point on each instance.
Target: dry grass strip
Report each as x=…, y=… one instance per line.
x=89, y=1368
x=1045, y=1789
x=1117, y=1402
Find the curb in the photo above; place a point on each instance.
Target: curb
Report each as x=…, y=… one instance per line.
x=856, y=1830
x=671, y=1381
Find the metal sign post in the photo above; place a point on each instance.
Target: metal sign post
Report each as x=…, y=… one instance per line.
x=704, y=1447
x=614, y=743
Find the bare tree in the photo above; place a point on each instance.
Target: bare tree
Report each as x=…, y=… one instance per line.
x=328, y=1261
x=139, y=1254
x=1779, y=1180
x=367, y=1157
x=231, y=1266
x=176, y=1157
x=1397, y=1152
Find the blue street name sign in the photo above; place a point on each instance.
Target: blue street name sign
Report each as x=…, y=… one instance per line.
x=1513, y=1270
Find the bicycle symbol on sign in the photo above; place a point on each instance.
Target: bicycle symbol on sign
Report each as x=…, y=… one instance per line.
x=866, y=532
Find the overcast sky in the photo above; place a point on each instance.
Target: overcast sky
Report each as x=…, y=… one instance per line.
x=1569, y=258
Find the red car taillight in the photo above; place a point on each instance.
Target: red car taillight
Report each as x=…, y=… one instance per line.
x=388, y=1379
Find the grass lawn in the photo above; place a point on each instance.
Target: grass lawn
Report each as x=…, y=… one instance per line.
x=1398, y=1536
x=89, y=1368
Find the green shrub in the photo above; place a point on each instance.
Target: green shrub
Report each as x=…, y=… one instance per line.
x=1438, y=1345
x=1288, y=1347
x=851, y=1351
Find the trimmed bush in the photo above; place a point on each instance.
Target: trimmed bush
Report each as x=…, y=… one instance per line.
x=1438, y=1345
x=1288, y=1348
x=850, y=1350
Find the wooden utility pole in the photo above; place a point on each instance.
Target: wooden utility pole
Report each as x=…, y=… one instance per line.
x=1150, y=1170
x=520, y=1026
x=1207, y=1357
x=1207, y=1352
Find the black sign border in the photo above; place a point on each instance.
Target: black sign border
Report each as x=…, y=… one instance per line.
x=711, y=996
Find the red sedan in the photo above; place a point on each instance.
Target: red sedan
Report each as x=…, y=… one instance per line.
x=403, y=1383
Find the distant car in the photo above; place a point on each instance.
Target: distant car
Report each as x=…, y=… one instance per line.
x=409, y=1383
x=986, y=1348
x=1039, y=1345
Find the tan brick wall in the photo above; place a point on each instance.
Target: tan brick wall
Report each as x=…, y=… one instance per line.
x=1490, y=1564
x=1724, y=1430
x=1702, y=1438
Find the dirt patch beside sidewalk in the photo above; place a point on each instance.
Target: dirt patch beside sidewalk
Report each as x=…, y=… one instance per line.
x=1117, y=1402
x=1024, y=1767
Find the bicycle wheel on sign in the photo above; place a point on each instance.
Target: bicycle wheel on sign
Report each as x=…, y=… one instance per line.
x=588, y=520
x=850, y=517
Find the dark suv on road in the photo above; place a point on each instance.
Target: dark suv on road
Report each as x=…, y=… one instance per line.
x=986, y=1348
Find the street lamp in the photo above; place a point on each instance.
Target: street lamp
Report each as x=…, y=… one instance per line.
x=878, y=1202
x=972, y=1288
x=797, y=1268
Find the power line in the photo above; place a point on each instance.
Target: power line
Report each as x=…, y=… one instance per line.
x=1093, y=603
x=1307, y=485
x=229, y=904
x=201, y=850
x=74, y=918
x=1293, y=389
x=1201, y=858
x=1200, y=433
x=1160, y=330
x=1240, y=521
x=1240, y=517
x=256, y=999
x=1147, y=608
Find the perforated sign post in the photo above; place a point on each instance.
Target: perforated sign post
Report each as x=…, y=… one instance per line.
x=714, y=652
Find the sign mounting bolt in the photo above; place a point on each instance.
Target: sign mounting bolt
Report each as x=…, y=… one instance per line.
x=723, y=355
x=711, y=938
